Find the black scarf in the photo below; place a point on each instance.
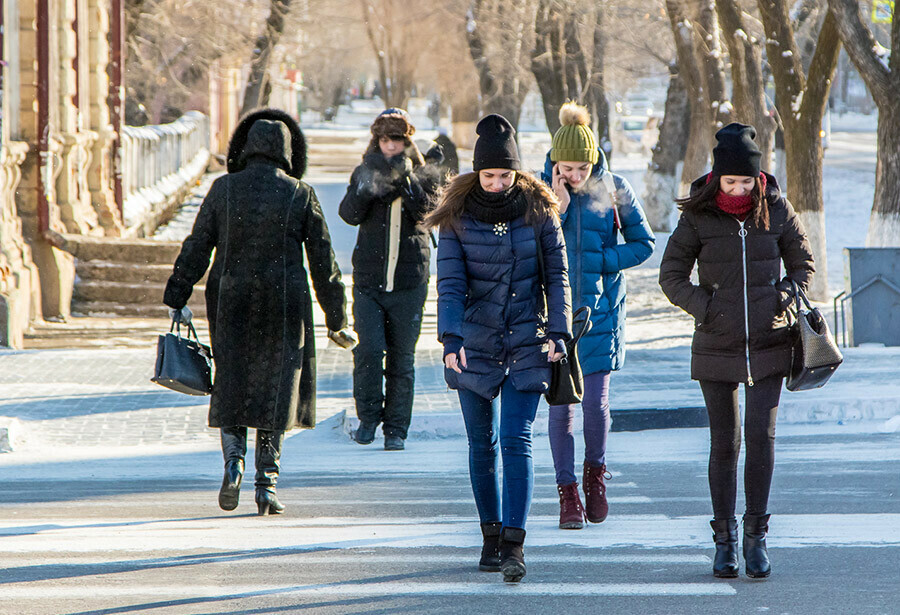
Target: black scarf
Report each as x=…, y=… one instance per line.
x=494, y=207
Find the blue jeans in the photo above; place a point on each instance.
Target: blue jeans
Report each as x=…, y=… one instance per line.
x=514, y=411
x=595, y=407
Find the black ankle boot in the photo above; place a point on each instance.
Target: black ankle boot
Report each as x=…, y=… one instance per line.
x=268, y=454
x=725, y=534
x=490, y=551
x=512, y=556
x=234, y=448
x=756, y=556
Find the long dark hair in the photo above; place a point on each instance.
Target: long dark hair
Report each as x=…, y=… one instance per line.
x=705, y=198
x=542, y=202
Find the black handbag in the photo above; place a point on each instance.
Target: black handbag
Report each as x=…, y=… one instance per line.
x=183, y=364
x=566, y=379
x=815, y=355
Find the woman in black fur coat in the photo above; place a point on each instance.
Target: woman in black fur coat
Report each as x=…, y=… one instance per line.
x=259, y=218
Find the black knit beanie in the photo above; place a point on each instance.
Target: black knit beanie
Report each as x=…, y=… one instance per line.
x=736, y=153
x=495, y=147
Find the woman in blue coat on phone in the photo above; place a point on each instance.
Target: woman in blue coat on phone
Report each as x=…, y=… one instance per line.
x=596, y=208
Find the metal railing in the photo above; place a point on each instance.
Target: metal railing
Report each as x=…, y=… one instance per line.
x=159, y=161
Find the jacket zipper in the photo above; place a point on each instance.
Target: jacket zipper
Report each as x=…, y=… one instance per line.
x=743, y=235
x=576, y=298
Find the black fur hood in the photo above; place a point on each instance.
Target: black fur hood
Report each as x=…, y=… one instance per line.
x=237, y=156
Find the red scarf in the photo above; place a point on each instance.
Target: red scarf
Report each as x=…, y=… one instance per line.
x=738, y=206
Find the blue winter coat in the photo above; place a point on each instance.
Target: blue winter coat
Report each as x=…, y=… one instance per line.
x=596, y=260
x=489, y=295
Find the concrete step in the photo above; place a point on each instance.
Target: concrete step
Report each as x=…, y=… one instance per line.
x=145, y=251
x=124, y=292
x=136, y=310
x=134, y=273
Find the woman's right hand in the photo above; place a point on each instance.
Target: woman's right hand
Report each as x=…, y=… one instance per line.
x=452, y=362
x=558, y=184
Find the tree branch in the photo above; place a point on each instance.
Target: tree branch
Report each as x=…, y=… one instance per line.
x=860, y=45
x=821, y=70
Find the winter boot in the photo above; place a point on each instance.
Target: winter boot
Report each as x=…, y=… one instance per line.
x=571, y=512
x=268, y=453
x=596, y=506
x=490, y=551
x=365, y=433
x=234, y=449
x=394, y=443
x=756, y=556
x=512, y=556
x=725, y=565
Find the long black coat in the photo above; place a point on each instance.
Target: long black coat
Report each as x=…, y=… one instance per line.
x=258, y=219
x=741, y=328
x=374, y=185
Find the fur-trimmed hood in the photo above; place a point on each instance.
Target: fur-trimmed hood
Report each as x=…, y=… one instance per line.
x=237, y=157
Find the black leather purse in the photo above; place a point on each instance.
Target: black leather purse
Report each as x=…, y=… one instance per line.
x=566, y=378
x=183, y=364
x=815, y=355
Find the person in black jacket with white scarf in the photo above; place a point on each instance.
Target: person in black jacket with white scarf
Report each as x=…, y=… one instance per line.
x=388, y=196
x=738, y=229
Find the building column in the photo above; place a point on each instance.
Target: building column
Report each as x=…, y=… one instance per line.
x=94, y=104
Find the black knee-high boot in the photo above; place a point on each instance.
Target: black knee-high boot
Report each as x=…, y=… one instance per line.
x=234, y=449
x=725, y=534
x=756, y=556
x=268, y=453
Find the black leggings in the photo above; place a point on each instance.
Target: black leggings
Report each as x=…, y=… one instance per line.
x=761, y=408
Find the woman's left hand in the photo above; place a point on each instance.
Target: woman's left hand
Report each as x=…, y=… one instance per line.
x=552, y=354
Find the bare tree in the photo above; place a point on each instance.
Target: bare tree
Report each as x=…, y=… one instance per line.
x=801, y=98
x=883, y=80
x=748, y=83
x=567, y=62
x=394, y=29
x=499, y=35
x=660, y=180
x=255, y=92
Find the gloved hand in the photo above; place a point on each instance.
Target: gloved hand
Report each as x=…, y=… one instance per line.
x=345, y=338
x=786, y=292
x=183, y=315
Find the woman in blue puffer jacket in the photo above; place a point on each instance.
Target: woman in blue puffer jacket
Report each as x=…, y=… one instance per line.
x=596, y=206
x=498, y=341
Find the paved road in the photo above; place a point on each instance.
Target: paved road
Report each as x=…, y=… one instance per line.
x=136, y=530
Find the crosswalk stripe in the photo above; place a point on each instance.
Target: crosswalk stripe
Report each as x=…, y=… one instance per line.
x=169, y=592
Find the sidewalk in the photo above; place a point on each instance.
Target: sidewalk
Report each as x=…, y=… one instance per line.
x=103, y=397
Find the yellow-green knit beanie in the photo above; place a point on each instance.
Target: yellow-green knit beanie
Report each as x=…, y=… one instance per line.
x=574, y=141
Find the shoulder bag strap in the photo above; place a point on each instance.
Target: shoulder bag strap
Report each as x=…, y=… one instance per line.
x=542, y=274
x=610, y=184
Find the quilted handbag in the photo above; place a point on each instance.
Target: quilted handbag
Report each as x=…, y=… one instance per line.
x=815, y=355
x=183, y=364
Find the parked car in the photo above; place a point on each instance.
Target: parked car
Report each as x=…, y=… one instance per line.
x=635, y=134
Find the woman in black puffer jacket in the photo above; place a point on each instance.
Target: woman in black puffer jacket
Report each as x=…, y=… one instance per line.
x=498, y=340
x=388, y=196
x=738, y=229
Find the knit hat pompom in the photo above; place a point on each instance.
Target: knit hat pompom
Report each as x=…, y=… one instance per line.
x=573, y=114
x=574, y=141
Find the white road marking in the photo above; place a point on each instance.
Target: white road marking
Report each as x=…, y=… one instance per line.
x=170, y=592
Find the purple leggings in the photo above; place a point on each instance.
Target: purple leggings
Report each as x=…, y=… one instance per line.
x=595, y=407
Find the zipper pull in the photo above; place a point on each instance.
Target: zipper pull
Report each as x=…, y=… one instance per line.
x=749, y=380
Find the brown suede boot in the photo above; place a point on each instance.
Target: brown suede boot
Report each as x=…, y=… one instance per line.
x=596, y=506
x=571, y=512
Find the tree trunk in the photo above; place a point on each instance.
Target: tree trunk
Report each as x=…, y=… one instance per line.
x=254, y=92
x=884, y=84
x=709, y=49
x=748, y=83
x=660, y=180
x=699, y=137
x=545, y=66
x=801, y=101
x=596, y=99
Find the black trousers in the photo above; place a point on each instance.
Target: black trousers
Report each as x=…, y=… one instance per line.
x=388, y=325
x=761, y=408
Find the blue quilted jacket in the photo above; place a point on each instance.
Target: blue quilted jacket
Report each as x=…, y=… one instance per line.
x=596, y=260
x=489, y=295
